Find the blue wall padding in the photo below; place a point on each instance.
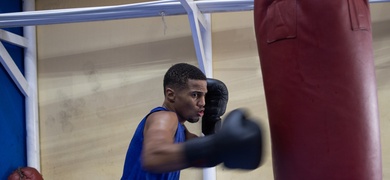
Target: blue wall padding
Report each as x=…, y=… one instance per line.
x=12, y=105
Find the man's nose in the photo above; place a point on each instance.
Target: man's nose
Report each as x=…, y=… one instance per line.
x=202, y=101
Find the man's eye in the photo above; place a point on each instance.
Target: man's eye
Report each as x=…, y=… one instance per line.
x=194, y=95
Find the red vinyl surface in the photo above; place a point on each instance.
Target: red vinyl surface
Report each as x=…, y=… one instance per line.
x=317, y=62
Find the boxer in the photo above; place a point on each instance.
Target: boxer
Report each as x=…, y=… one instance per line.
x=161, y=145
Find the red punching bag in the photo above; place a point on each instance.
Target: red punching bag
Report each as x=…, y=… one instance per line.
x=25, y=173
x=319, y=79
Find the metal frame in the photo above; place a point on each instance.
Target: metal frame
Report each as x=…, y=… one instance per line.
x=8, y=62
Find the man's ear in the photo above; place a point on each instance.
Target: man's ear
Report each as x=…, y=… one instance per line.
x=170, y=93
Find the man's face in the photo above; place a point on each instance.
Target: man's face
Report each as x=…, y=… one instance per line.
x=189, y=103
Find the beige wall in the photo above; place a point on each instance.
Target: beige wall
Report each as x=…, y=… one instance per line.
x=97, y=80
x=380, y=15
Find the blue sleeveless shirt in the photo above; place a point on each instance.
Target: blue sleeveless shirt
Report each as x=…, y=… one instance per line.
x=133, y=169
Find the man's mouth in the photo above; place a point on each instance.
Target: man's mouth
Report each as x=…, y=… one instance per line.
x=200, y=113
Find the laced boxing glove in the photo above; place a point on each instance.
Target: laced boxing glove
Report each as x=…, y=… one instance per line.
x=25, y=173
x=238, y=144
x=216, y=102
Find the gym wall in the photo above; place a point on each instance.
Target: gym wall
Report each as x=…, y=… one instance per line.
x=97, y=80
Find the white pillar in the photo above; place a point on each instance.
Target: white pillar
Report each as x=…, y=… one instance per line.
x=32, y=121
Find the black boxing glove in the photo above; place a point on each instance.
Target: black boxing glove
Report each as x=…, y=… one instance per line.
x=238, y=144
x=216, y=102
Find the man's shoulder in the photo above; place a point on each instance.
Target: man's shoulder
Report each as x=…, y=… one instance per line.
x=164, y=115
x=162, y=120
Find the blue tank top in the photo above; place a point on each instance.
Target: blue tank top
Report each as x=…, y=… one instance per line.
x=133, y=169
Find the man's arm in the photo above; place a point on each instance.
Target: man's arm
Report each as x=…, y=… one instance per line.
x=189, y=135
x=159, y=153
x=238, y=144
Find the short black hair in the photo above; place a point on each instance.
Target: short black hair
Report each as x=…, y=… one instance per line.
x=177, y=75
